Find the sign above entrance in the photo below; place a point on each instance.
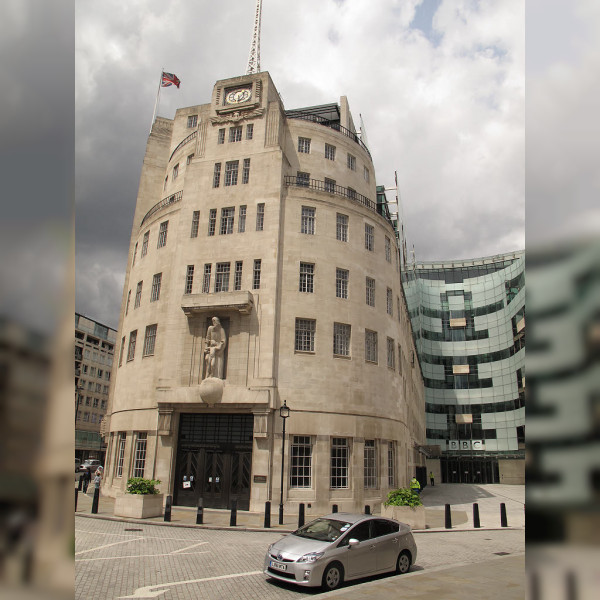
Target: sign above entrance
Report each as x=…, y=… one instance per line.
x=466, y=445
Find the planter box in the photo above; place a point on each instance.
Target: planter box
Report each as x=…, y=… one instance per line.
x=412, y=515
x=139, y=506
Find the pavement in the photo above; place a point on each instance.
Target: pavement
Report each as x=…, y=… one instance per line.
x=502, y=576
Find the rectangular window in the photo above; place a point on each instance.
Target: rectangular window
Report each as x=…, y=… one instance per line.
x=122, y=351
x=138, y=295
x=398, y=307
x=399, y=359
x=192, y=121
x=206, y=279
x=98, y=387
x=139, y=457
x=370, y=465
x=162, y=234
x=370, y=291
x=175, y=171
x=189, y=159
x=256, y=274
x=217, y=175
x=195, y=223
x=231, y=172
x=391, y=353
x=221, y=138
x=246, y=171
x=340, y=461
x=92, y=371
x=95, y=404
x=260, y=216
x=388, y=249
x=302, y=179
x=104, y=391
x=189, y=279
x=212, y=221
x=330, y=185
x=120, y=453
x=237, y=277
x=227, y=216
x=367, y=175
x=149, y=340
x=94, y=417
x=341, y=339
x=369, y=237
x=391, y=465
x=249, y=131
x=86, y=417
x=103, y=403
x=370, y=346
x=307, y=220
x=131, y=349
x=145, y=243
x=305, y=335
x=235, y=134
x=351, y=193
x=222, y=277
x=128, y=300
x=307, y=273
x=329, y=152
x=134, y=254
x=301, y=462
x=341, y=283
x=242, y=219
x=351, y=162
x=304, y=145
x=389, y=302
x=341, y=227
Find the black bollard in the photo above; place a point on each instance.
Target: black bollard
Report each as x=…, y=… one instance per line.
x=96, y=500
x=168, y=505
x=200, y=513
x=476, y=522
x=448, y=519
x=334, y=508
x=503, y=520
x=571, y=581
x=300, y=515
x=281, y=514
x=233, y=517
x=76, y=494
x=80, y=484
x=267, y=515
x=367, y=509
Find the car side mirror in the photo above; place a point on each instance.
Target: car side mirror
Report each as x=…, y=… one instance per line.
x=353, y=542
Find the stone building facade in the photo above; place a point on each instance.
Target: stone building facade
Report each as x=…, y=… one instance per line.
x=268, y=221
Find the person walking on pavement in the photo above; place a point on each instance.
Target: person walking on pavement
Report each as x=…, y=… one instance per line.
x=87, y=476
x=431, y=478
x=415, y=486
x=97, y=479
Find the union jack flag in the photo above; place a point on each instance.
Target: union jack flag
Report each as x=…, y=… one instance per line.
x=169, y=79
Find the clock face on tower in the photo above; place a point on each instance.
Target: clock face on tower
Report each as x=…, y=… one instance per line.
x=238, y=96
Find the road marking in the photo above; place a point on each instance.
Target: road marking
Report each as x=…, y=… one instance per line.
x=153, y=591
x=149, y=537
x=188, y=547
x=135, y=556
x=108, y=545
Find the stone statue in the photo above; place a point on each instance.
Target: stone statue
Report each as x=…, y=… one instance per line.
x=214, y=351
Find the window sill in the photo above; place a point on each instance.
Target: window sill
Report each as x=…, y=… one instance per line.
x=342, y=356
x=308, y=352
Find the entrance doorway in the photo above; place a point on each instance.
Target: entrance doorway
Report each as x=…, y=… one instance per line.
x=467, y=469
x=214, y=460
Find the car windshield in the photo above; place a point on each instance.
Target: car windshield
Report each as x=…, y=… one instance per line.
x=324, y=530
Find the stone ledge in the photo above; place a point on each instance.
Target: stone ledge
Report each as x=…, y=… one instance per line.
x=242, y=302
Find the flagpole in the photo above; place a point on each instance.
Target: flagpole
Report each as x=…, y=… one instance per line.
x=157, y=99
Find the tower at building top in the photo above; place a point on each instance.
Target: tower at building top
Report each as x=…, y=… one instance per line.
x=254, y=56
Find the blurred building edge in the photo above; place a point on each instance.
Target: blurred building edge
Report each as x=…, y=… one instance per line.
x=563, y=394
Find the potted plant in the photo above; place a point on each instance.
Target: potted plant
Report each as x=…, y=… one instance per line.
x=141, y=501
x=406, y=507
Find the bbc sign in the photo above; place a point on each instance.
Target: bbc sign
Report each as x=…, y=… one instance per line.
x=465, y=445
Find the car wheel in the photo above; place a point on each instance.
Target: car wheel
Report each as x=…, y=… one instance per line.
x=333, y=576
x=403, y=563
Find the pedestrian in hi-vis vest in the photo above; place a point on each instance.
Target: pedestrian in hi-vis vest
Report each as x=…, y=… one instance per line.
x=415, y=486
x=431, y=478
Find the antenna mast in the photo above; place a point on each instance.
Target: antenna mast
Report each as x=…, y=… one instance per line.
x=254, y=56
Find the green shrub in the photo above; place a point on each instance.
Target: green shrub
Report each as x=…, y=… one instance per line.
x=139, y=485
x=403, y=497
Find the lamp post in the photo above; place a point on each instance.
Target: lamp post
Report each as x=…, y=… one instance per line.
x=284, y=413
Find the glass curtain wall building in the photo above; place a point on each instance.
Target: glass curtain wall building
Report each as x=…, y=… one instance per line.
x=468, y=321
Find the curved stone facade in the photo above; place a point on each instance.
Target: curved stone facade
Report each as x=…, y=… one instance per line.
x=269, y=221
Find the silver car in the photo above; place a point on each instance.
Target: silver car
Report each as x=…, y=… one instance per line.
x=340, y=547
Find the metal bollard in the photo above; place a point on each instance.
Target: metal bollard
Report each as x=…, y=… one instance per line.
x=95, y=501
x=572, y=588
x=300, y=515
x=367, y=509
x=80, y=484
x=233, y=517
x=503, y=520
x=476, y=522
x=334, y=508
x=281, y=514
x=76, y=494
x=200, y=513
x=267, y=515
x=448, y=518
x=168, y=506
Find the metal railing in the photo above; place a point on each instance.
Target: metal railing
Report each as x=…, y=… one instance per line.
x=332, y=125
x=183, y=142
x=164, y=202
x=330, y=188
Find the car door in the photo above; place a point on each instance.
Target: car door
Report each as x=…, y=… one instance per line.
x=385, y=538
x=362, y=559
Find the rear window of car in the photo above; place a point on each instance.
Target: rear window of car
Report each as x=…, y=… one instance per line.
x=383, y=527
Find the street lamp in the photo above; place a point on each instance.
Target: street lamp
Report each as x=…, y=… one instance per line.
x=284, y=413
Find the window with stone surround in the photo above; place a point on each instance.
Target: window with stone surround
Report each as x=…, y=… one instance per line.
x=370, y=464
x=341, y=227
x=341, y=339
x=391, y=353
x=195, y=223
x=189, y=279
x=371, y=346
x=149, y=340
x=138, y=295
x=339, y=463
x=227, y=217
x=139, y=456
x=131, y=349
x=217, y=175
x=305, y=335
x=341, y=283
x=304, y=145
x=307, y=220
x=222, y=277
x=260, y=216
x=212, y=221
x=301, y=462
x=307, y=273
x=370, y=291
x=369, y=237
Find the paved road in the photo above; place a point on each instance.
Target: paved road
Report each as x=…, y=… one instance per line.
x=116, y=559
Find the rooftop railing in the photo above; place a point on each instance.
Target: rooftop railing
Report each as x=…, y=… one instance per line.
x=164, y=202
x=183, y=142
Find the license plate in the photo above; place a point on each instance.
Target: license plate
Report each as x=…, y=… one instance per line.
x=278, y=566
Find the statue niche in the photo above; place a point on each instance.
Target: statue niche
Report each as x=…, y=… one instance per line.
x=215, y=346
